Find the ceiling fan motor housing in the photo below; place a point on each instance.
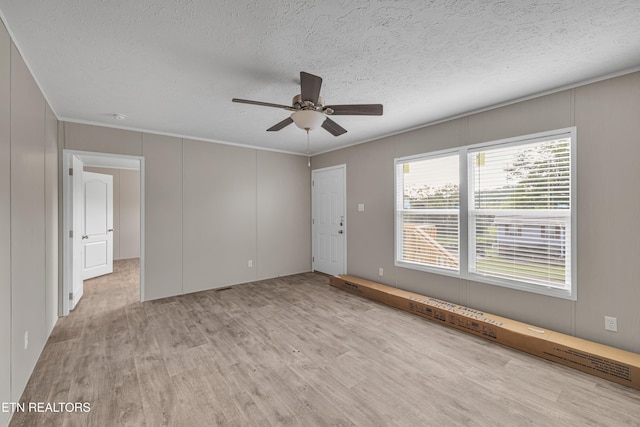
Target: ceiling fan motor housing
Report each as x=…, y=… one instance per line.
x=299, y=103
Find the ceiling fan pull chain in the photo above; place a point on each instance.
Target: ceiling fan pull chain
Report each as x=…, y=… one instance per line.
x=308, y=153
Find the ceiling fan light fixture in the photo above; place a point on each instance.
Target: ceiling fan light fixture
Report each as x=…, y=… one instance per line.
x=309, y=111
x=308, y=119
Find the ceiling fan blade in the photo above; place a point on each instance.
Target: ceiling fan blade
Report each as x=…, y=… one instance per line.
x=356, y=110
x=310, y=87
x=264, y=104
x=333, y=128
x=286, y=122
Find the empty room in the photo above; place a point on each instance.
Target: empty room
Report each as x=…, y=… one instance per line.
x=363, y=213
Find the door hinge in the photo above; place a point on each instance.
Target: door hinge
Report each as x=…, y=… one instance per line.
x=313, y=221
x=71, y=171
x=313, y=183
x=313, y=259
x=71, y=234
x=70, y=295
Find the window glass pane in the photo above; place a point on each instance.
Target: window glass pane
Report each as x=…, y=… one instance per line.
x=520, y=221
x=429, y=201
x=431, y=239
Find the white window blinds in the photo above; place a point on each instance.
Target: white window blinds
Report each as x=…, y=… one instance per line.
x=520, y=212
x=427, y=209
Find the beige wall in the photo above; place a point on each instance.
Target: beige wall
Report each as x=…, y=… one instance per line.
x=163, y=215
x=5, y=220
x=129, y=214
x=115, y=141
x=126, y=211
x=606, y=117
x=28, y=222
x=283, y=193
x=219, y=208
x=51, y=219
x=212, y=208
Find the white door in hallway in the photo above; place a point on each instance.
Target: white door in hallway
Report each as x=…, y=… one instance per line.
x=97, y=235
x=329, y=220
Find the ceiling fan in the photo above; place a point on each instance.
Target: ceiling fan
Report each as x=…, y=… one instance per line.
x=309, y=110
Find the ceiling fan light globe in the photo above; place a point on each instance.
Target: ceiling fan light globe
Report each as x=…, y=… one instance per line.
x=308, y=119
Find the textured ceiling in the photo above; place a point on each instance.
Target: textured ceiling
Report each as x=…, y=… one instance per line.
x=172, y=66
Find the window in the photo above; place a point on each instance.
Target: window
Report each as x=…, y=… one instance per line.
x=429, y=204
x=513, y=199
x=525, y=189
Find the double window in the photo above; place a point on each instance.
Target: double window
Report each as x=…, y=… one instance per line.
x=499, y=213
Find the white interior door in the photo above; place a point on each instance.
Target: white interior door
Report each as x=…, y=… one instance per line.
x=329, y=220
x=97, y=235
x=77, y=226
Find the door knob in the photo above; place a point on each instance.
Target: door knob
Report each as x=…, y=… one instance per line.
x=111, y=229
x=85, y=237
x=340, y=231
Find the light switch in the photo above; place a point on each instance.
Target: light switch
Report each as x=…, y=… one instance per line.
x=360, y=207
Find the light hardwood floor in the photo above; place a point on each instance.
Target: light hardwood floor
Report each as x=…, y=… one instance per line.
x=295, y=351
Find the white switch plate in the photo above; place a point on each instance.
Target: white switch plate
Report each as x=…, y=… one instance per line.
x=360, y=207
x=250, y=263
x=26, y=340
x=380, y=272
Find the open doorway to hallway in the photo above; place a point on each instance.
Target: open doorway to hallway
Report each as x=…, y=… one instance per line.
x=103, y=222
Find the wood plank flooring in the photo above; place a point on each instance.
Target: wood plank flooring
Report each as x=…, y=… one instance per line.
x=294, y=351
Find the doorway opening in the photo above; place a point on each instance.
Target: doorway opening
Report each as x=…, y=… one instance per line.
x=102, y=219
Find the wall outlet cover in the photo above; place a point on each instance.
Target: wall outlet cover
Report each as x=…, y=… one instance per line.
x=611, y=323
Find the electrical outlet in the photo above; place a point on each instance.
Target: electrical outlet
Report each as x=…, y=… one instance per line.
x=26, y=340
x=380, y=272
x=250, y=263
x=611, y=324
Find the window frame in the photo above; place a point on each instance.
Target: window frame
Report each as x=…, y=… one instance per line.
x=464, y=228
x=399, y=211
